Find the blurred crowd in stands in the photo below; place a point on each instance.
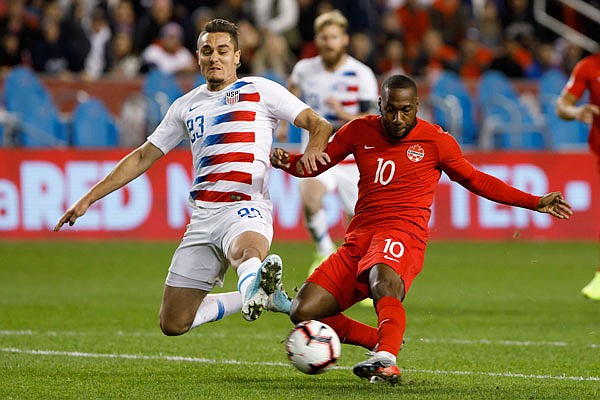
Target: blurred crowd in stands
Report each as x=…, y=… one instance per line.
x=92, y=39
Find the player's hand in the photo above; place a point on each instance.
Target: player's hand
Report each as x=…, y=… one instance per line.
x=309, y=160
x=280, y=158
x=555, y=204
x=587, y=112
x=71, y=215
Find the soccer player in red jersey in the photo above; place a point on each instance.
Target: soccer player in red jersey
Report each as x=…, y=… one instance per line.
x=400, y=158
x=585, y=75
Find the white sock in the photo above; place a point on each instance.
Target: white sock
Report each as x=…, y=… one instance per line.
x=387, y=355
x=246, y=274
x=318, y=228
x=217, y=306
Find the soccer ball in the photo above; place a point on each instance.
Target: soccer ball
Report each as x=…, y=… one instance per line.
x=313, y=347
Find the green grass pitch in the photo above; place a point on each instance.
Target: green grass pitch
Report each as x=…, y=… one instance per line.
x=78, y=320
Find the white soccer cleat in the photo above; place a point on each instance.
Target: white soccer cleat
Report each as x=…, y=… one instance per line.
x=378, y=369
x=266, y=282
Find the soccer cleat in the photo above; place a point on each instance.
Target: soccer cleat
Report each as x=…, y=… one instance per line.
x=279, y=301
x=592, y=289
x=267, y=281
x=316, y=261
x=376, y=369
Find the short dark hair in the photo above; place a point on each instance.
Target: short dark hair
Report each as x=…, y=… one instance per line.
x=222, y=25
x=399, y=82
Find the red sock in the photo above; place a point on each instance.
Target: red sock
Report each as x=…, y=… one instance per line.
x=353, y=332
x=391, y=319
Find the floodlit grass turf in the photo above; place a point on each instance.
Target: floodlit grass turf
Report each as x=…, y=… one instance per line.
x=485, y=320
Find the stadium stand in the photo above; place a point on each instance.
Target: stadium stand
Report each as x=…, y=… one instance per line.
x=36, y=119
x=507, y=121
x=453, y=107
x=160, y=90
x=566, y=135
x=93, y=126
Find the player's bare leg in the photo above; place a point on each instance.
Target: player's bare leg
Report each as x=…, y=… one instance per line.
x=178, y=309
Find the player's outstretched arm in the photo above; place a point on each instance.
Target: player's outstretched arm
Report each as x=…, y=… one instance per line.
x=130, y=167
x=555, y=204
x=567, y=108
x=319, y=132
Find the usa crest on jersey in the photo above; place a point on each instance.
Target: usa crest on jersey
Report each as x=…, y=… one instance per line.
x=232, y=97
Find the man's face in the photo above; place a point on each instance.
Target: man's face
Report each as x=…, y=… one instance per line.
x=331, y=42
x=398, y=109
x=217, y=59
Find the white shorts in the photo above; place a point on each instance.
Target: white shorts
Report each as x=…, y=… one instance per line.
x=200, y=261
x=343, y=178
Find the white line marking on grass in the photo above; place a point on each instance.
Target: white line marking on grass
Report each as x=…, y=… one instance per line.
x=280, y=364
x=524, y=343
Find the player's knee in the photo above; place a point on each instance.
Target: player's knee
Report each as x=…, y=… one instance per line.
x=173, y=328
x=301, y=311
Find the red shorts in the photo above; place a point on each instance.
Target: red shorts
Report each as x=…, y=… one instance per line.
x=345, y=273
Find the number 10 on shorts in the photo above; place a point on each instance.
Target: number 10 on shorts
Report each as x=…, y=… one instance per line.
x=393, y=250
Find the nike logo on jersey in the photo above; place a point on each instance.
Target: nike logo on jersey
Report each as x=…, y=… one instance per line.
x=369, y=147
x=193, y=108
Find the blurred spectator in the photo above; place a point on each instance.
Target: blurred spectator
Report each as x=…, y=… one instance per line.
x=249, y=40
x=279, y=17
x=71, y=30
x=122, y=61
x=450, y=17
x=519, y=20
x=150, y=23
x=475, y=58
x=52, y=54
x=18, y=21
x=504, y=60
x=199, y=18
x=99, y=35
x=547, y=58
x=308, y=13
x=361, y=47
x=434, y=57
x=123, y=18
x=234, y=10
x=273, y=59
x=414, y=21
x=168, y=54
x=10, y=54
x=392, y=62
x=489, y=25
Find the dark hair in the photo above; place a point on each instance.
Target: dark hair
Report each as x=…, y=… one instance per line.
x=399, y=82
x=222, y=25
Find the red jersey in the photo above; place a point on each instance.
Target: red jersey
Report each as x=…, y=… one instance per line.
x=586, y=75
x=398, y=178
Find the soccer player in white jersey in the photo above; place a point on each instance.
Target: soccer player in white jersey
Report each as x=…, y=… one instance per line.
x=229, y=123
x=340, y=88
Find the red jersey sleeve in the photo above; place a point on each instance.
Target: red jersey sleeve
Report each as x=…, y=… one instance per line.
x=578, y=80
x=337, y=150
x=456, y=166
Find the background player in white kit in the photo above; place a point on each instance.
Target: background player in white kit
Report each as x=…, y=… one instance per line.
x=340, y=88
x=229, y=123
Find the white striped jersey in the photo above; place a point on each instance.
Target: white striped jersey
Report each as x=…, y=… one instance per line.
x=230, y=133
x=350, y=84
